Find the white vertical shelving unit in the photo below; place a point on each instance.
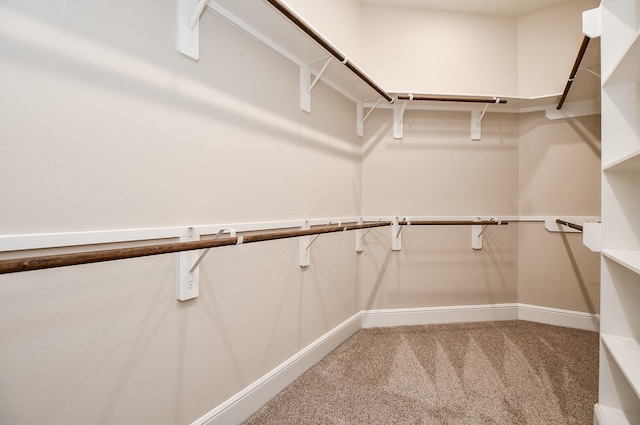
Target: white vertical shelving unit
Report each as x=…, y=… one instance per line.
x=619, y=397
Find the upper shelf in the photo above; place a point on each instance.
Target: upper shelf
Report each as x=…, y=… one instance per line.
x=264, y=22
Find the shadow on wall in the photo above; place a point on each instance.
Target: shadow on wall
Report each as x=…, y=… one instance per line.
x=580, y=279
x=224, y=91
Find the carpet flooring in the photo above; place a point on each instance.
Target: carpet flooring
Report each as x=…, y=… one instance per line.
x=511, y=372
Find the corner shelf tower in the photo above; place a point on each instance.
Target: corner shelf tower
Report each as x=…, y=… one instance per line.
x=619, y=397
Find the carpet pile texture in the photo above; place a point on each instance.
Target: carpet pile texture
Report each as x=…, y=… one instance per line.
x=508, y=372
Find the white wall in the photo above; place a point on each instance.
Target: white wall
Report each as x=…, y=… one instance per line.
x=422, y=51
x=105, y=126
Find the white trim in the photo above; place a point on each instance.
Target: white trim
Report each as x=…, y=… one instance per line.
x=242, y=405
x=432, y=315
x=559, y=317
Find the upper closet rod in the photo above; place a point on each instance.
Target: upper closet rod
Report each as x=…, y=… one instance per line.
x=454, y=99
x=327, y=45
x=572, y=225
x=576, y=65
x=87, y=257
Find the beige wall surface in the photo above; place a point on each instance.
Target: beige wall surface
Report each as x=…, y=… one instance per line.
x=556, y=270
x=110, y=129
x=436, y=169
x=559, y=165
x=548, y=43
x=420, y=51
x=105, y=126
x=438, y=267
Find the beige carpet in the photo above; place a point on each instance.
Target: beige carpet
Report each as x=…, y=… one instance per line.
x=512, y=372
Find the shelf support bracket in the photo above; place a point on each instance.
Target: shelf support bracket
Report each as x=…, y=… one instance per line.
x=361, y=117
x=476, y=120
x=305, y=242
x=306, y=85
x=398, y=118
x=189, y=12
x=188, y=286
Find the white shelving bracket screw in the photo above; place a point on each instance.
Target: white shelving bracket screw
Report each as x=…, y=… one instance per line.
x=189, y=12
x=306, y=85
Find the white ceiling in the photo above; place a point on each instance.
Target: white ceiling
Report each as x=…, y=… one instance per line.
x=483, y=7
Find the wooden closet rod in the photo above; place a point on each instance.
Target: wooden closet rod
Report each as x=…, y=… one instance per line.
x=452, y=223
x=574, y=71
x=87, y=257
x=572, y=225
x=453, y=99
x=326, y=45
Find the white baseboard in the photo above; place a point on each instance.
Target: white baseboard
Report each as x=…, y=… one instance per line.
x=242, y=405
x=558, y=317
x=432, y=315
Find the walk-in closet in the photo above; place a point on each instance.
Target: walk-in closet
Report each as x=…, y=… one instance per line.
x=306, y=211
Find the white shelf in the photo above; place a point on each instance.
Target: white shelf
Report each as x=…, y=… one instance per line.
x=631, y=162
x=626, y=353
x=627, y=70
x=628, y=259
x=609, y=416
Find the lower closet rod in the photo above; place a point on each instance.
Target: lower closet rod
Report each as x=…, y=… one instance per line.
x=87, y=257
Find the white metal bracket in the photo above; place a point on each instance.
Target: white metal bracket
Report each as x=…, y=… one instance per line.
x=360, y=237
x=398, y=118
x=188, y=286
x=476, y=235
x=189, y=12
x=396, y=235
x=476, y=122
x=305, y=242
x=360, y=234
x=306, y=85
x=361, y=117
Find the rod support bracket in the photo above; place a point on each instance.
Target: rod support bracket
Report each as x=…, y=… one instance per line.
x=188, y=283
x=396, y=235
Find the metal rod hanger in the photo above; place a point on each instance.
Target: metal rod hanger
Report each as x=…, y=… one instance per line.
x=453, y=99
x=572, y=225
x=574, y=70
x=328, y=47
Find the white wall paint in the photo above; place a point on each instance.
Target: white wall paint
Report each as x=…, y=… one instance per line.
x=106, y=129
x=419, y=51
x=106, y=126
